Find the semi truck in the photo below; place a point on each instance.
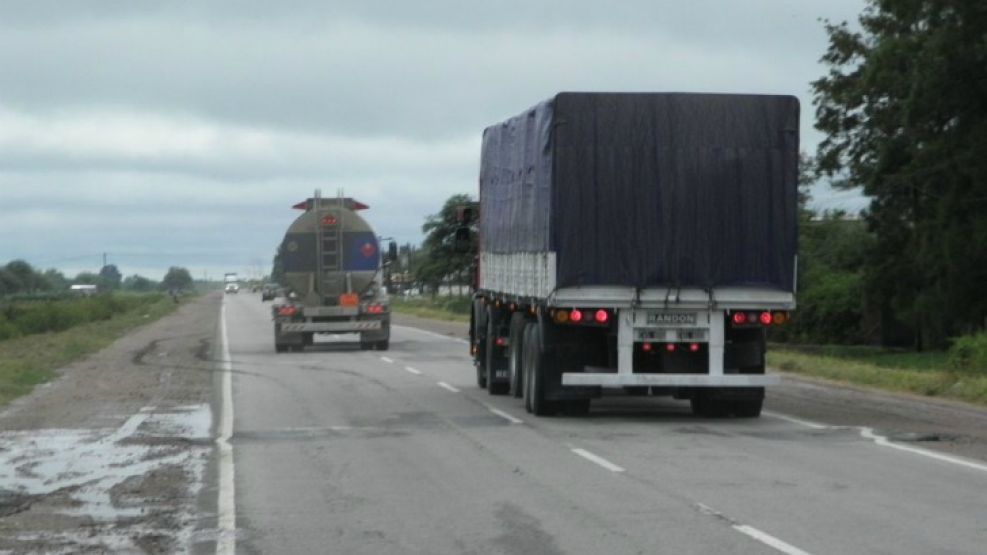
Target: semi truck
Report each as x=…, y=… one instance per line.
x=332, y=263
x=638, y=242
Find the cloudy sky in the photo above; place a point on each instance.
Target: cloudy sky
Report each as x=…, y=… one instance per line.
x=180, y=133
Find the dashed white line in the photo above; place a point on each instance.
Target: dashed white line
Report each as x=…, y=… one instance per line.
x=413, y=371
x=449, y=387
x=226, y=495
x=768, y=539
x=750, y=531
x=387, y=360
x=882, y=441
x=504, y=415
x=597, y=460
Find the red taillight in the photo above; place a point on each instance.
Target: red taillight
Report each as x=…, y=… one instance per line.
x=739, y=318
x=375, y=309
x=670, y=347
x=646, y=347
x=287, y=310
x=601, y=316
x=500, y=341
x=765, y=318
x=576, y=315
x=694, y=347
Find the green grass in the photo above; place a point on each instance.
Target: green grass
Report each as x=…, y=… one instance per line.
x=34, y=359
x=453, y=309
x=926, y=374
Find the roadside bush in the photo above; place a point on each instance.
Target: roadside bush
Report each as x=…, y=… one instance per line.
x=32, y=317
x=969, y=352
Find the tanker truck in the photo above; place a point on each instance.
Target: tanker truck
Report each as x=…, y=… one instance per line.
x=332, y=263
x=637, y=242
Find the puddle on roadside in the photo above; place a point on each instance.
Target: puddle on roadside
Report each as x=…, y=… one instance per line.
x=81, y=467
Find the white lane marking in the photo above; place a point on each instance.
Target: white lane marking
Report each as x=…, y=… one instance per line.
x=868, y=433
x=504, y=415
x=794, y=420
x=768, y=539
x=763, y=537
x=597, y=459
x=388, y=360
x=449, y=387
x=883, y=441
x=226, y=496
x=433, y=334
x=413, y=371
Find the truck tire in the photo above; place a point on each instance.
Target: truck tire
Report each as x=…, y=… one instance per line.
x=383, y=345
x=540, y=364
x=280, y=347
x=526, y=365
x=480, y=343
x=493, y=387
x=748, y=409
x=577, y=407
x=514, y=352
x=703, y=405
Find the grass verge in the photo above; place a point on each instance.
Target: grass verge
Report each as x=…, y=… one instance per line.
x=919, y=373
x=34, y=359
x=452, y=309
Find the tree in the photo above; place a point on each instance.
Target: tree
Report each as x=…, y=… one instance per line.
x=56, y=280
x=85, y=278
x=138, y=283
x=177, y=279
x=277, y=268
x=441, y=258
x=109, y=277
x=904, y=107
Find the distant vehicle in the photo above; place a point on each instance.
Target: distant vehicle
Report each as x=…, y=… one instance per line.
x=332, y=266
x=641, y=242
x=232, y=288
x=84, y=289
x=230, y=277
x=269, y=291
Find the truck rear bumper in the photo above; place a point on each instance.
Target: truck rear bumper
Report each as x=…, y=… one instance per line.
x=669, y=380
x=331, y=327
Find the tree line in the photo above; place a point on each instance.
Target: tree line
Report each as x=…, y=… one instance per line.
x=18, y=277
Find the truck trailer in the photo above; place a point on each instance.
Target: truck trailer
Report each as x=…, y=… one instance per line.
x=332, y=262
x=643, y=242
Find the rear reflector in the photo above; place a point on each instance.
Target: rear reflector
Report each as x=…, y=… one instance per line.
x=694, y=347
x=561, y=316
x=670, y=347
x=601, y=316
x=646, y=347
x=500, y=341
x=765, y=318
x=779, y=318
x=576, y=315
x=739, y=318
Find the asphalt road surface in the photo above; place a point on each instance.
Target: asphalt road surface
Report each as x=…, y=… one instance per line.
x=337, y=450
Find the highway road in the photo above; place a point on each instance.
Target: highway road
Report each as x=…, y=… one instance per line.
x=337, y=450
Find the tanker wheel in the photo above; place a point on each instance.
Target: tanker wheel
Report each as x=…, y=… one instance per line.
x=280, y=347
x=703, y=405
x=480, y=343
x=540, y=366
x=383, y=345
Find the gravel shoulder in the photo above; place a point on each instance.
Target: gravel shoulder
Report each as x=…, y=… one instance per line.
x=112, y=455
x=935, y=424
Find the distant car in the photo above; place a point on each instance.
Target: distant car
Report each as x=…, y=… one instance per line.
x=232, y=288
x=269, y=291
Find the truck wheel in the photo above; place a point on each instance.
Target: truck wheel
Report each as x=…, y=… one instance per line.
x=308, y=338
x=703, y=405
x=540, y=365
x=493, y=387
x=748, y=409
x=383, y=345
x=514, y=353
x=280, y=347
x=526, y=364
x=480, y=343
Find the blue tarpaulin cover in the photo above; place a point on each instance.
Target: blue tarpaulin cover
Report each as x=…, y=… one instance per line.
x=648, y=189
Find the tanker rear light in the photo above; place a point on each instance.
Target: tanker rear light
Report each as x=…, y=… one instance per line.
x=375, y=309
x=286, y=310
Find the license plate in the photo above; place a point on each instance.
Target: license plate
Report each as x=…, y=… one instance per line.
x=672, y=318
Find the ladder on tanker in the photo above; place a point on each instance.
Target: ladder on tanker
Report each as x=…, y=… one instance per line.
x=330, y=245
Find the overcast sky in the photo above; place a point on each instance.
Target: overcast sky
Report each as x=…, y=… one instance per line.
x=180, y=133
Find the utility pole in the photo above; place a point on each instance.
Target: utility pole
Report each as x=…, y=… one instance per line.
x=104, y=261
